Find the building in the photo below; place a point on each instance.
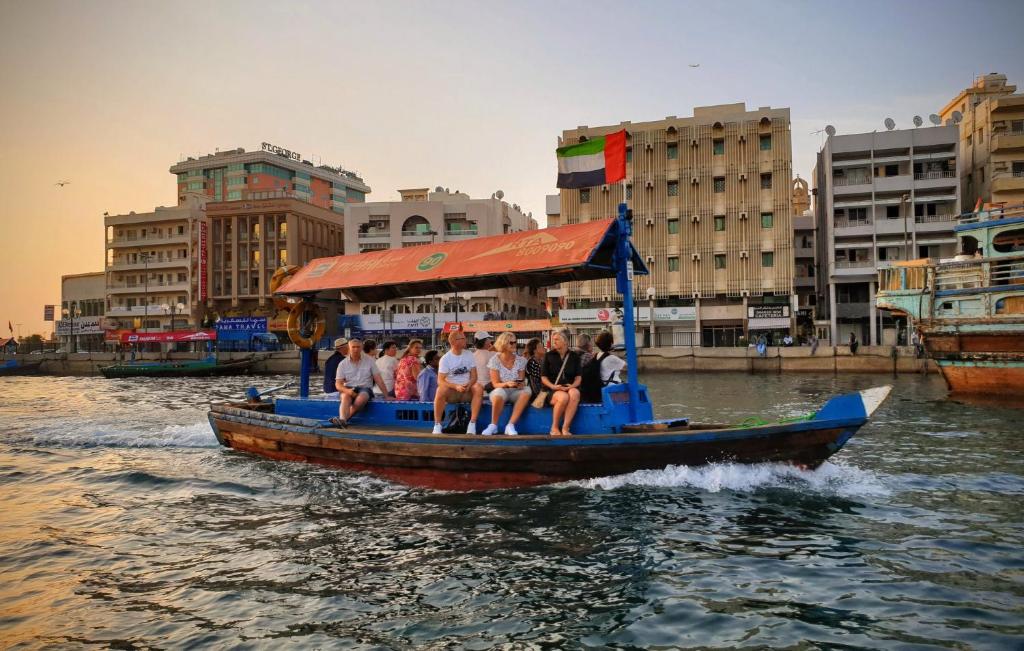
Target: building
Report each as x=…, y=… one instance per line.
x=991, y=128
x=804, y=258
x=249, y=239
x=269, y=172
x=153, y=262
x=711, y=199
x=880, y=197
x=424, y=217
x=83, y=305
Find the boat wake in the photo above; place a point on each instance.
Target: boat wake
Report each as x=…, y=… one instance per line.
x=197, y=435
x=829, y=478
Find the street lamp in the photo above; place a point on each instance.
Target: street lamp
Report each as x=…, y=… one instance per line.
x=651, y=293
x=71, y=315
x=145, y=295
x=171, y=309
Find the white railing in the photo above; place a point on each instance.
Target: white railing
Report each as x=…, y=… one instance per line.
x=1016, y=210
x=850, y=180
x=934, y=174
x=841, y=222
x=931, y=219
x=854, y=264
x=374, y=235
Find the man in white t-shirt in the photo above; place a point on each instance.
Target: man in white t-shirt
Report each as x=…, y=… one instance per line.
x=457, y=382
x=354, y=380
x=483, y=354
x=387, y=363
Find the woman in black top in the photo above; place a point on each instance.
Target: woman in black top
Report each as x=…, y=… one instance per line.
x=563, y=383
x=534, y=361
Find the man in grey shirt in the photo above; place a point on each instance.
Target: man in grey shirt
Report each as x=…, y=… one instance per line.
x=356, y=376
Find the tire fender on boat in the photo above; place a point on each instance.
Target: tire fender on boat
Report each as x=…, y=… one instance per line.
x=306, y=324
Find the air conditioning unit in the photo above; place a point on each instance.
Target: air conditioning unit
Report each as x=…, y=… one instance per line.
x=695, y=219
x=649, y=146
x=604, y=188
x=649, y=184
x=743, y=176
x=744, y=293
x=696, y=257
x=650, y=259
x=649, y=221
x=693, y=142
x=743, y=138
x=743, y=214
x=695, y=295
x=694, y=180
x=606, y=299
x=744, y=255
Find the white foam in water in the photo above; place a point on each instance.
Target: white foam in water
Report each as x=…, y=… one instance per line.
x=829, y=478
x=198, y=435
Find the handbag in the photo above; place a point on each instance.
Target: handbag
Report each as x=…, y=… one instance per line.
x=542, y=395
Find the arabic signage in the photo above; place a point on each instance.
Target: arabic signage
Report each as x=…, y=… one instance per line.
x=202, y=261
x=85, y=325
x=614, y=315
x=496, y=327
x=408, y=322
x=767, y=311
x=47, y=313
x=129, y=337
x=236, y=323
x=281, y=151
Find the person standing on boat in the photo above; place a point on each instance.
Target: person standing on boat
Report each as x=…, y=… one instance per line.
x=331, y=368
x=387, y=364
x=408, y=371
x=426, y=382
x=354, y=380
x=508, y=377
x=482, y=355
x=561, y=376
x=854, y=344
x=457, y=382
x=534, y=365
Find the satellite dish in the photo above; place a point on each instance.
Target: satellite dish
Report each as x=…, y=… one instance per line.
x=918, y=121
x=949, y=122
x=830, y=130
x=500, y=194
x=934, y=119
x=439, y=189
x=890, y=124
x=957, y=116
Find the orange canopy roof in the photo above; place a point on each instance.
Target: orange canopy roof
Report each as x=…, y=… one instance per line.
x=526, y=259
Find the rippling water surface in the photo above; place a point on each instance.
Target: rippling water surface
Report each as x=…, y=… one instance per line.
x=122, y=524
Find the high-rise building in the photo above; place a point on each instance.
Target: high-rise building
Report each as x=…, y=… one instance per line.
x=153, y=267
x=425, y=217
x=268, y=173
x=991, y=141
x=880, y=197
x=711, y=199
x=804, y=257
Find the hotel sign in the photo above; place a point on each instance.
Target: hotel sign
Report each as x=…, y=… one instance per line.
x=281, y=151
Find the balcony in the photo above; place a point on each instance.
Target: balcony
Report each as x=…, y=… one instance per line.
x=153, y=264
x=139, y=288
x=1008, y=140
x=460, y=235
x=934, y=174
x=1008, y=182
x=854, y=268
x=803, y=281
x=803, y=251
x=417, y=236
x=141, y=310
x=850, y=227
x=853, y=310
x=124, y=241
x=375, y=235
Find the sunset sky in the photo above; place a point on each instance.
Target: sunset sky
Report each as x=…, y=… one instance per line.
x=467, y=95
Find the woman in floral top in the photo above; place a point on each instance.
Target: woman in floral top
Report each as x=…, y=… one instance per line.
x=408, y=370
x=535, y=360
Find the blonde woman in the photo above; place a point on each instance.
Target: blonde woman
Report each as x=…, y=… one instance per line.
x=508, y=375
x=408, y=370
x=561, y=376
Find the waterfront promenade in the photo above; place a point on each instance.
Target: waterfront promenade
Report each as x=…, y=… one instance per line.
x=797, y=359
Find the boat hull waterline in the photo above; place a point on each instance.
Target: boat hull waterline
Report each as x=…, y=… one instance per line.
x=466, y=462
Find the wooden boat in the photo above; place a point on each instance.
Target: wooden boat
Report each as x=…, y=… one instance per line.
x=393, y=439
x=184, y=368
x=969, y=310
x=12, y=367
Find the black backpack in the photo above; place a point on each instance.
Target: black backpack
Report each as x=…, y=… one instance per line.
x=592, y=382
x=457, y=421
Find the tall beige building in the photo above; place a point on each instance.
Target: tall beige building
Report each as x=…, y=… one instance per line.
x=991, y=141
x=711, y=200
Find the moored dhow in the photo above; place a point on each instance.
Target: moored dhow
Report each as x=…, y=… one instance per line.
x=969, y=310
x=620, y=434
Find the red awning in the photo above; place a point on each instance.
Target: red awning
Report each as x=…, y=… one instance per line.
x=535, y=258
x=129, y=337
x=497, y=327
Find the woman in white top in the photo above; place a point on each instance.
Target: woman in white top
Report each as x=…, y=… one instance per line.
x=611, y=366
x=508, y=375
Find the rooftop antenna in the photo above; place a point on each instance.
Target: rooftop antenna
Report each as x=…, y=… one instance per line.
x=918, y=121
x=890, y=124
x=935, y=119
x=830, y=130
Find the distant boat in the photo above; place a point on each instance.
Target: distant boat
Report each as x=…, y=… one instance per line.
x=969, y=310
x=20, y=367
x=202, y=368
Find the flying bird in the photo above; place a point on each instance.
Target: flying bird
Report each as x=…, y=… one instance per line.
x=62, y=183
x=693, y=65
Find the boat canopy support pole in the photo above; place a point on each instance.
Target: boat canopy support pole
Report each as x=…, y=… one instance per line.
x=624, y=282
x=307, y=365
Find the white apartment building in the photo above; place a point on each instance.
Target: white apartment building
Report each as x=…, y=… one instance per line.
x=880, y=197
x=153, y=262
x=424, y=217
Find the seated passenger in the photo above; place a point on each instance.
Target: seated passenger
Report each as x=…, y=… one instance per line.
x=408, y=370
x=534, y=364
x=457, y=382
x=561, y=376
x=354, y=380
x=331, y=368
x=601, y=371
x=508, y=377
x=426, y=382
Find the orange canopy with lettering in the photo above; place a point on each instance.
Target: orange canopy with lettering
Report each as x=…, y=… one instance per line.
x=535, y=258
x=497, y=327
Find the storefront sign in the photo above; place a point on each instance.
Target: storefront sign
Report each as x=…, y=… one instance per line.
x=767, y=311
x=250, y=323
x=47, y=313
x=85, y=325
x=128, y=337
x=280, y=151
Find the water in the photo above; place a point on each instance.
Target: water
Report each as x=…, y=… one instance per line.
x=122, y=524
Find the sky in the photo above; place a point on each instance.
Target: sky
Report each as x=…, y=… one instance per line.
x=467, y=95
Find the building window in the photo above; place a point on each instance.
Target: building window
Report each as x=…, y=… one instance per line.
x=719, y=261
x=719, y=184
x=718, y=146
x=673, y=263
x=981, y=135
x=766, y=181
x=629, y=191
x=673, y=226
x=1018, y=168
x=1017, y=126
x=765, y=141
x=767, y=220
x=673, y=188
x=970, y=140
x=585, y=195
x=767, y=259
x=892, y=212
x=181, y=230
x=629, y=154
x=719, y=222
x=672, y=151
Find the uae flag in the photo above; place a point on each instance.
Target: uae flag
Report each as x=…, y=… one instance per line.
x=593, y=162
